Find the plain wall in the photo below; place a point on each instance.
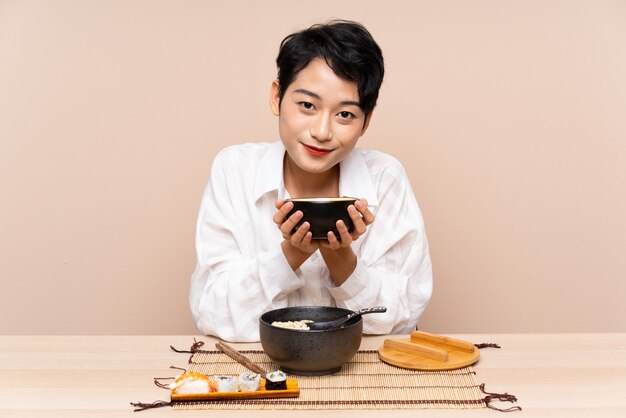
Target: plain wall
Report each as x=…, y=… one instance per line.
x=509, y=117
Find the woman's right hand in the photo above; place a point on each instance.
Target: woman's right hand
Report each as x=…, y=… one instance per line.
x=302, y=239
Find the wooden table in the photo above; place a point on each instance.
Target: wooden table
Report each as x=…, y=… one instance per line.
x=569, y=375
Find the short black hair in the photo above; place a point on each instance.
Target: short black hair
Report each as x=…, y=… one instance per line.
x=347, y=47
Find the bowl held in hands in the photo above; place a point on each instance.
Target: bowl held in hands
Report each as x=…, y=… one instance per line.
x=322, y=213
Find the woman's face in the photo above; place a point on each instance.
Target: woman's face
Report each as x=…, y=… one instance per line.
x=320, y=120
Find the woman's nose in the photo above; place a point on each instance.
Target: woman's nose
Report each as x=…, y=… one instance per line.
x=321, y=128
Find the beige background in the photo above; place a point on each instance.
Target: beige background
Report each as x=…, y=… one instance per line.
x=509, y=117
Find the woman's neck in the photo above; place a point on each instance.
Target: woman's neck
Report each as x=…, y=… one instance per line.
x=300, y=183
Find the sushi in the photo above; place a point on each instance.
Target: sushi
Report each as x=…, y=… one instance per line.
x=245, y=382
x=276, y=380
x=227, y=383
x=191, y=382
x=249, y=382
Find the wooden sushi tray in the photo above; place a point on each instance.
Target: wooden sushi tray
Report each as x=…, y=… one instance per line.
x=292, y=391
x=424, y=351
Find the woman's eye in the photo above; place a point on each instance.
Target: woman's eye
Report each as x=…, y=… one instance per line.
x=346, y=115
x=307, y=105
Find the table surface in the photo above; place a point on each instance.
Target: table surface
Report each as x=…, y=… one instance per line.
x=573, y=375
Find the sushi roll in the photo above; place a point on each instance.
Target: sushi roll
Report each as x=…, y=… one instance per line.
x=226, y=383
x=276, y=380
x=249, y=382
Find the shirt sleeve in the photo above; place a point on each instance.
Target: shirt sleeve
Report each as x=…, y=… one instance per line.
x=393, y=262
x=233, y=285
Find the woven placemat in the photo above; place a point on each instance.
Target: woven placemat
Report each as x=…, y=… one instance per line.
x=365, y=382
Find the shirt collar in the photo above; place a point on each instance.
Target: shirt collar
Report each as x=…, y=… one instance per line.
x=354, y=181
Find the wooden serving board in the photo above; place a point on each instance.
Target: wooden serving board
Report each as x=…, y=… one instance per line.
x=424, y=351
x=292, y=391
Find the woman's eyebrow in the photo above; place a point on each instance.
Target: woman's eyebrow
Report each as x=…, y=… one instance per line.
x=317, y=96
x=308, y=93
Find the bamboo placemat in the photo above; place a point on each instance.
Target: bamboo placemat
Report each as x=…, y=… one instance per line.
x=363, y=383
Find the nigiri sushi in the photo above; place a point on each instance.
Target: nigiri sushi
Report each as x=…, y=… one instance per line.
x=192, y=382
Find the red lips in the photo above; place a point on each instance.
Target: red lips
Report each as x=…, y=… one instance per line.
x=316, y=151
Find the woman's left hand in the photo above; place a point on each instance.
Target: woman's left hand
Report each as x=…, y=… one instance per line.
x=361, y=217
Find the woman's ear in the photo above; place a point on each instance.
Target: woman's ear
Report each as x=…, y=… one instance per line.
x=275, y=98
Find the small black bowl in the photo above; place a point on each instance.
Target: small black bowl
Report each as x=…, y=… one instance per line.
x=322, y=213
x=310, y=352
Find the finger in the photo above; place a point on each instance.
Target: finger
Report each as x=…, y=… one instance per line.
x=346, y=238
x=333, y=243
x=288, y=226
x=308, y=237
x=283, y=211
x=368, y=217
x=357, y=220
x=323, y=243
x=279, y=203
x=299, y=235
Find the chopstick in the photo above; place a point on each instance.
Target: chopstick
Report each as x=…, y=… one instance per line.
x=239, y=358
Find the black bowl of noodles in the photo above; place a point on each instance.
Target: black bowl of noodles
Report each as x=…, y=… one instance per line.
x=309, y=352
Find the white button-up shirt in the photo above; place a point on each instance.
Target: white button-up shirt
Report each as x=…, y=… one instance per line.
x=242, y=272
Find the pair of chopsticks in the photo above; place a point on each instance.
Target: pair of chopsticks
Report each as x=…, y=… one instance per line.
x=239, y=358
